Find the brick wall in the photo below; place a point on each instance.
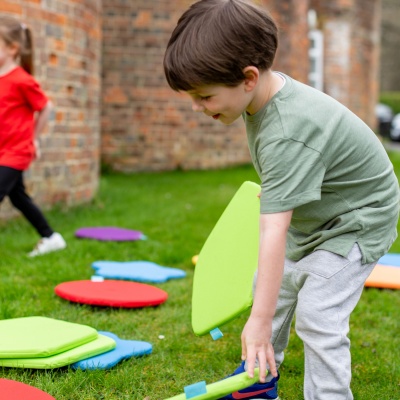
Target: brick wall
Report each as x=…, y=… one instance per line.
x=67, y=36
x=351, y=53
x=145, y=125
x=390, y=52
x=291, y=18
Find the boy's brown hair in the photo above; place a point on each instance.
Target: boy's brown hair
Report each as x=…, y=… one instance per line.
x=215, y=40
x=15, y=33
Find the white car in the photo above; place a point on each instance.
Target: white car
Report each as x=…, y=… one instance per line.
x=384, y=115
x=395, y=128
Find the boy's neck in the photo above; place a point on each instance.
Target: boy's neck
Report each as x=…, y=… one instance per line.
x=269, y=84
x=7, y=67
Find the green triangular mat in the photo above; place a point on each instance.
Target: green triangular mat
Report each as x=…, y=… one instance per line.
x=224, y=387
x=93, y=348
x=223, y=278
x=32, y=337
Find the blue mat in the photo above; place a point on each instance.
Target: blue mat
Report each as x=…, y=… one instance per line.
x=391, y=259
x=125, y=349
x=139, y=271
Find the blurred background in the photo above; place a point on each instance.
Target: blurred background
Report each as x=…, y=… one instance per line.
x=100, y=62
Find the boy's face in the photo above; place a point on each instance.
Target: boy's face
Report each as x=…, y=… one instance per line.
x=223, y=103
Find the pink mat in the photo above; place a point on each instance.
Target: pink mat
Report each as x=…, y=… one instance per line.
x=109, y=233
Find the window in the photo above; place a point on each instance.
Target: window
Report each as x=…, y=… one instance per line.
x=316, y=53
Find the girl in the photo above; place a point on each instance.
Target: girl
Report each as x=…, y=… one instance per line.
x=24, y=111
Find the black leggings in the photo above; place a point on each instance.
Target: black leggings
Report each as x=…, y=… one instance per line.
x=12, y=185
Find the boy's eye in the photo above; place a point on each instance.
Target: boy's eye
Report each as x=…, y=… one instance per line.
x=206, y=97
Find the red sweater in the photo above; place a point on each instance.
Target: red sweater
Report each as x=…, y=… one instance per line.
x=20, y=97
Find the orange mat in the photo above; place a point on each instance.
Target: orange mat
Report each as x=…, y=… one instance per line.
x=384, y=276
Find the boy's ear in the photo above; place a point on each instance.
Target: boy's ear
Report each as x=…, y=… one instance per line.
x=251, y=77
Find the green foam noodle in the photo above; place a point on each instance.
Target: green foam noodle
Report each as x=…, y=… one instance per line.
x=224, y=387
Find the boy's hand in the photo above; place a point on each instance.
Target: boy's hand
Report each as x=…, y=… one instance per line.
x=256, y=335
x=256, y=345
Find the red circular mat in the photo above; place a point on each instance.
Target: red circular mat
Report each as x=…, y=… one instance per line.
x=13, y=390
x=112, y=293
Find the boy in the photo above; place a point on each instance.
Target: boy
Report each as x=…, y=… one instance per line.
x=329, y=200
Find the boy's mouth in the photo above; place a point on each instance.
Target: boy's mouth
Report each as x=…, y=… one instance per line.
x=216, y=116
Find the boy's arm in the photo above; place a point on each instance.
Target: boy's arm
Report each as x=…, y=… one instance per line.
x=42, y=117
x=256, y=335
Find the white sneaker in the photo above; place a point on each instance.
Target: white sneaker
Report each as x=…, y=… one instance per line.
x=46, y=245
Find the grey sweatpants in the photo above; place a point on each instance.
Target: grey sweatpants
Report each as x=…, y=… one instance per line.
x=322, y=289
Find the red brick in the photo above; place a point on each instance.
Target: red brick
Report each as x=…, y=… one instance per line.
x=10, y=7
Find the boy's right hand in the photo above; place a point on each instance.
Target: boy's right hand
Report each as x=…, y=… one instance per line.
x=256, y=346
x=257, y=333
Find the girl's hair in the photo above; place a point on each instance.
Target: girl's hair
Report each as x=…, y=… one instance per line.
x=215, y=40
x=15, y=33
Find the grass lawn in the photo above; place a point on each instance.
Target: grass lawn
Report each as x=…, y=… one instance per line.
x=176, y=210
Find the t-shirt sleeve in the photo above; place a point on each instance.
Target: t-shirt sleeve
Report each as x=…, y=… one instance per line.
x=33, y=94
x=291, y=175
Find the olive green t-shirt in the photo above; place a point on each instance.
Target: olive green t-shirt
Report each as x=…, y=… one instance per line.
x=316, y=157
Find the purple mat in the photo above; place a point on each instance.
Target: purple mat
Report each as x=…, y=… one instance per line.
x=109, y=233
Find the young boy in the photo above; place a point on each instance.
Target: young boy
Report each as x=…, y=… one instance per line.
x=329, y=200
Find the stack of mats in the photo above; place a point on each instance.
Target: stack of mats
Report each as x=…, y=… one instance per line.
x=45, y=343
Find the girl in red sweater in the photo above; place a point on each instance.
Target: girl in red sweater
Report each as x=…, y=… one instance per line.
x=24, y=112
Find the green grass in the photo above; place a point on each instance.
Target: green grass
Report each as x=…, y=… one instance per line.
x=176, y=210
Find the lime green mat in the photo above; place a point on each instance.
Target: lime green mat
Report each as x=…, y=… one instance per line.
x=223, y=278
x=224, y=387
x=32, y=337
x=93, y=348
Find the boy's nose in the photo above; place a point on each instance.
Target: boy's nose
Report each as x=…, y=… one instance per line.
x=197, y=106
